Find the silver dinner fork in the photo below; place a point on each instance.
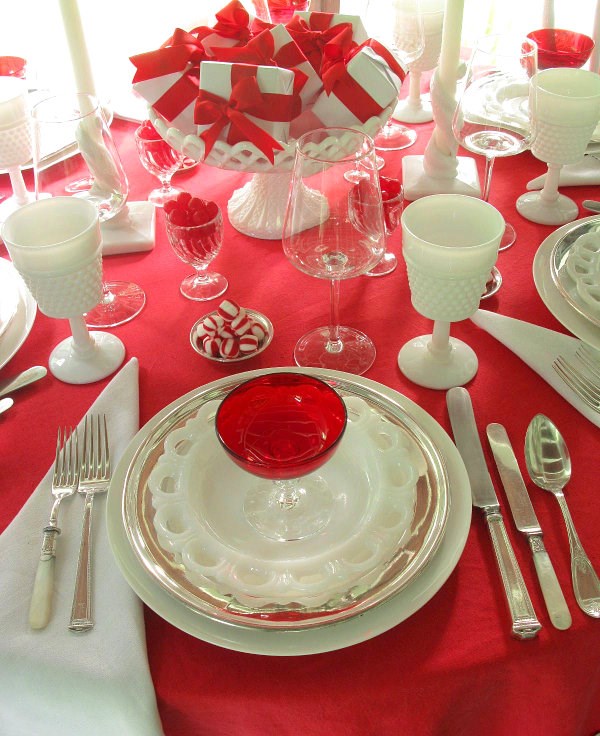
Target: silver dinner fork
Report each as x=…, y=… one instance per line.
x=64, y=483
x=582, y=375
x=94, y=477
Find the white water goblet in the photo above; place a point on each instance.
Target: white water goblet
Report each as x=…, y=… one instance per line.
x=565, y=110
x=450, y=243
x=56, y=246
x=414, y=108
x=77, y=120
x=491, y=117
x=15, y=141
x=334, y=229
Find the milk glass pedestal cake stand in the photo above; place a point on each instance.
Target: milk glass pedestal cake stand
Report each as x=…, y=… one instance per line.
x=257, y=209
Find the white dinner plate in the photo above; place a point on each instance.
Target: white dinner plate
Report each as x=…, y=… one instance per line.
x=22, y=321
x=341, y=634
x=552, y=297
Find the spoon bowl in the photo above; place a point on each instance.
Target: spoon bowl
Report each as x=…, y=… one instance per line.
x=549, y=467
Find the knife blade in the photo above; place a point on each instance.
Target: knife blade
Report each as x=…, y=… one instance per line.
x=5, y=404
x=526, y=521
x=525, y=624
x=22, y=379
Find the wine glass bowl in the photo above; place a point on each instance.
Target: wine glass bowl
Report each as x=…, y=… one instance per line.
x=160, y=160
x=196, y=236
x=558, y=47
x=283, y=427
x=334, y=229
x=450, y=244
x=392, y=196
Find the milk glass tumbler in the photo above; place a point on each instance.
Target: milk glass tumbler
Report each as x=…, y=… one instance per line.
x=450, y=243
x=564, y=105
x=56, y=246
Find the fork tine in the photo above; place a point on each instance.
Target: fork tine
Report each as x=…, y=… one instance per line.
x=589, y=360
x=586, y=390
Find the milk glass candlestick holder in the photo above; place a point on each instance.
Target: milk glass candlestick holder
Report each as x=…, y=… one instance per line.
x=564, y=108
x=78, y=120
x=415, y=108
x=450, y=243
x=15, y=141
x=56, y=246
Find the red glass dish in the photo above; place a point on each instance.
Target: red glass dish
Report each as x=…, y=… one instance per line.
x=282, y=10
x=560, y=48
x=281, y=425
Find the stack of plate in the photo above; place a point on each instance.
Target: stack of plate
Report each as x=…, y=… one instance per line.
x=178, y=532
x=566, y=271
x=17, y=311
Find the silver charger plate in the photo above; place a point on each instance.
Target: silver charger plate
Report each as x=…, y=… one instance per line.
x=208, y=596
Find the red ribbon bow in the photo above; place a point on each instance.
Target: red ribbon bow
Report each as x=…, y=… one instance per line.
x=314, y=35
x=233, y=21
x=246, y=99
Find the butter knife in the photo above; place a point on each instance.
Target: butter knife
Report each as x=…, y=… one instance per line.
x=9, y=385
x=526, y=521
x=525, y=624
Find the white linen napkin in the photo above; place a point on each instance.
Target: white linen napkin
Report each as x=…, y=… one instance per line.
x=538, y=347
x=54, y=681
x=585, y=173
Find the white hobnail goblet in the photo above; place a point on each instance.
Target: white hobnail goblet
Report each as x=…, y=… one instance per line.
x=15, y=141
x=56, y=246
x=413, y=108
x=564, y=106
x=450, y=244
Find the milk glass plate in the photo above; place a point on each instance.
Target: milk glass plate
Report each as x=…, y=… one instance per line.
x=9, y=299
x=578, y=291
x=22, y=321
x=181, y=511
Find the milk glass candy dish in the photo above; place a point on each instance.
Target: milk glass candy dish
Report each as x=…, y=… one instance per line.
x=450, y=243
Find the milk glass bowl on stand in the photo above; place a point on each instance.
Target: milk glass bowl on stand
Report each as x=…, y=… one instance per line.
x=282, y=427
x=55, y=245
x=334, y=229
x=450, y=243
x=77, y=120
x=565, y=109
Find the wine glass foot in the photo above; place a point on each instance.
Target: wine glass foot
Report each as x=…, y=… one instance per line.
x=286, y=515
x=203, y=288
x=395, y=137
x=385, y=266
x=508, y=237
x=421, y=365
x=80, y=185
x=408, y=112
x=158, y=197
x=352, y=352
x=72, y=366
x=121, y=302
x=558, y=211
x=493, y=284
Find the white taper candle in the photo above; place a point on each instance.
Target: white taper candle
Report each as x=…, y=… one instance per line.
x=84, y=81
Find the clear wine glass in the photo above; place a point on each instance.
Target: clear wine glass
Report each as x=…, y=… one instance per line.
x=195, y=233
x=399, y=25
x=282, y=427
x=491, y=117
x=77, y=122
x=334, y=230
x=159, y=159
x=392, y=195
x=450, y=243
x=61, y=265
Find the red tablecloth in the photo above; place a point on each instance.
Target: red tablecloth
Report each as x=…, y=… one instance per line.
x=451, y=668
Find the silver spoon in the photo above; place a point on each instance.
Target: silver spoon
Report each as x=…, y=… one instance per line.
x=549, y=466
x=590, y=204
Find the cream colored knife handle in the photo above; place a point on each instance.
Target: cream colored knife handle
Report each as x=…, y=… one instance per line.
x=40, y=607
x=525, y=624
x=551, y=590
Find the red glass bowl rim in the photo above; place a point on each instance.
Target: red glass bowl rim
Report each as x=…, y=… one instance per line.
x=559, y=32
x=284, y=374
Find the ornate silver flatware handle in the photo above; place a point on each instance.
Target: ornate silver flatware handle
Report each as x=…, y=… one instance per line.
x=81, y=613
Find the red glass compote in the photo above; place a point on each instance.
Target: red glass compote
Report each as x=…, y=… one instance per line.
x=281, y=427
x=159, y=159
x=282, y=10
x=559, y=47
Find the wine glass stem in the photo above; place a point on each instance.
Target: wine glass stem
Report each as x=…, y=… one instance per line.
x=414, y=89
x=286, y=493
x=165, y=180
x=334, y=344
x=82, y=340
x=487, y=177
x=440, y=339
x=18, y=185
x=549, y=192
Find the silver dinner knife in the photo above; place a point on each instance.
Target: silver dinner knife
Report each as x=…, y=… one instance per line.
x=526, y=521
x=525, y=624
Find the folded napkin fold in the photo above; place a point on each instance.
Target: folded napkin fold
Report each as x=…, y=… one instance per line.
x=54, y=681
x=585, y=173
x=538, y=347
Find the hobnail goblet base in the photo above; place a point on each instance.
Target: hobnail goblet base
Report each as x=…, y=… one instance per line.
x=201, y=288
x=557, y=211
x=423, y=366
x=72, y=366
x=353, y=352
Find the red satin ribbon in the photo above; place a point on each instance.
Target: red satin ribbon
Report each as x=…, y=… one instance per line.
x=233, y=21
x=312, y=36
x=246, y=99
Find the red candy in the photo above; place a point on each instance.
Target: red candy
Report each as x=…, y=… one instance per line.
x=213, y=324
x=248, y=343
x=230, y=348
x=212, y=346
x=229, y=332
x=228, y=309
x=186, y=210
